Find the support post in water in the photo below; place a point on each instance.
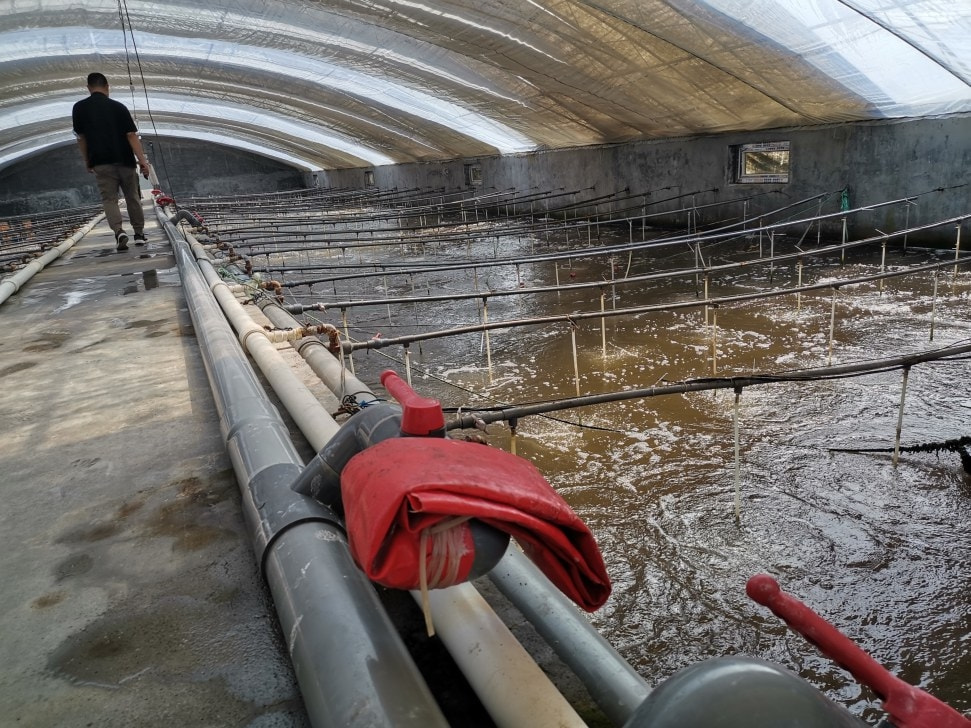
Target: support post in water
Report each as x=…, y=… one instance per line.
x=906, y=223
x=347, y=337
x=798, y=284
x=883, y=263
x=957, y=255
x=407, y=363
x=387, y=293
x=819, y=224
x=934, y=302
x=603, y=324
x=843, y=248
x=771, y=255
x=900, y=417
x=706, y=298
x=832, y=326
x=488, y=344
x=738, y=471
x=714, y=338
x=576, y=362
x=512, y=434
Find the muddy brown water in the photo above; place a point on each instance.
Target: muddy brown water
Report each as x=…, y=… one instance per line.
x=882, y=551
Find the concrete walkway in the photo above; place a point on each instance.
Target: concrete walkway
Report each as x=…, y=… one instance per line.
x=130, y=593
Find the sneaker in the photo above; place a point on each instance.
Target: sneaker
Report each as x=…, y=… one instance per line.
x=140, y=239
x=121, y=241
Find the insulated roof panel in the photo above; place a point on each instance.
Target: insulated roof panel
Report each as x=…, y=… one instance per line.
x=338, y=83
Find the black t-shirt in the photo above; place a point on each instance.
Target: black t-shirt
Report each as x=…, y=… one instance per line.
x=105, y=124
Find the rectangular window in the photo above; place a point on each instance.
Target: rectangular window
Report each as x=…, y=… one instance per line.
x=473, y=175
x=763, y=163
x=369, y=178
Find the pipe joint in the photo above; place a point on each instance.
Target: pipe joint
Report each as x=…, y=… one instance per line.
x=244, y=336
x=270, y=504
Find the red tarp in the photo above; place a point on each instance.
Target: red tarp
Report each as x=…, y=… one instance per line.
x=397, y=488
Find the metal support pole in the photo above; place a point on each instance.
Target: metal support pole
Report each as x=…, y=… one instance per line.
x=957, y=255
x=906, y=224
x=387, y=292
x=883, y=264
x=798, y=284
x=613, y=285
x=488, y=343
x=934, y=303
x=347, y=337
x=843, y=248
x=771, y=255
x=576, y=364
x=603, y=325
x=706, y=298
x=738, y=471
x=900, y=417
x=819, y=224
x=832, y=326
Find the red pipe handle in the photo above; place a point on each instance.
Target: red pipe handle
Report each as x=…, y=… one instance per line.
x=421, y=416
x=908, y=706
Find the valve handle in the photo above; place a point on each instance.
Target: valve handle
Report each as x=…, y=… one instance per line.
x=421, y=416
x=908, y=706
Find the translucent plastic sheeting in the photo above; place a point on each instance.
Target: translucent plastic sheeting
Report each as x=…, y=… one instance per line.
x=341, y=83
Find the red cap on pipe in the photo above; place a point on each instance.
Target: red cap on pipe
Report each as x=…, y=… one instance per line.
x=908, y=706
x=421, y=416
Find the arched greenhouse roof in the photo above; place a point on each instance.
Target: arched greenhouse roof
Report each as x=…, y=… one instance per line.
x=341, y=83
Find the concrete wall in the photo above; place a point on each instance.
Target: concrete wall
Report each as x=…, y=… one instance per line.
x=877, y=161
x=191, y=168
x=55, y=180
x=58, y=179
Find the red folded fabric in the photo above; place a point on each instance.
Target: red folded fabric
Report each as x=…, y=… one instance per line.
x=399, y=487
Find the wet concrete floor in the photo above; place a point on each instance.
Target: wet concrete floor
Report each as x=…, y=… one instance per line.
x=130, y=593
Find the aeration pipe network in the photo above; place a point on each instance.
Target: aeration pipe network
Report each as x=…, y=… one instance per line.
x=11, y=284
x=611, y=681
x=508, y=681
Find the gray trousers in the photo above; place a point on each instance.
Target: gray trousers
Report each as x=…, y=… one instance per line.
x=111, y=178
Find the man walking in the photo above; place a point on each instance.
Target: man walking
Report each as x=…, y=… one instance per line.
x=109, y=144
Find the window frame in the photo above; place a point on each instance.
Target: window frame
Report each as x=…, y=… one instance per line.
x=741, y=151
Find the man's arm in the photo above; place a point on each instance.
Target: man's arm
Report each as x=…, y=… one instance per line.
x=83, y=146
x=136, y=147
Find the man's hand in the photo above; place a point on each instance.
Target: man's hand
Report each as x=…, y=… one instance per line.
x=143, y=168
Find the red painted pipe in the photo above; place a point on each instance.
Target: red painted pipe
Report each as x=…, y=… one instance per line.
x=908, y=706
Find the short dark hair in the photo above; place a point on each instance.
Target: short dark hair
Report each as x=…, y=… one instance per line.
x=97, y=80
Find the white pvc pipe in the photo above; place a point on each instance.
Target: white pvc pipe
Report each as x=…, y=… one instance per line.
x=13, y=283
x=310, y=416
x=510, y=684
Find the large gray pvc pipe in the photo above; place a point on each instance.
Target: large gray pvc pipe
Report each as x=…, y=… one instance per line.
x=611, y=681
x=352, y=666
